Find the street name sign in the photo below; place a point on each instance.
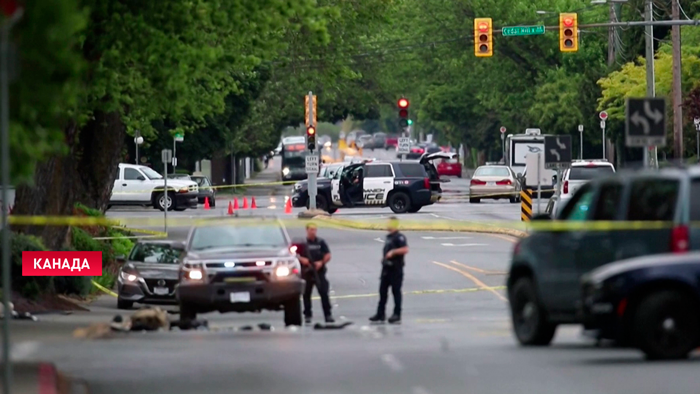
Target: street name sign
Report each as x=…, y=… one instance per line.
x=404, y=146
x=511, y=31
x=312, y=164
x=645, y=122
x=557, y=151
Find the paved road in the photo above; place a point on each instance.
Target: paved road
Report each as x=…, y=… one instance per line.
x=455, y=338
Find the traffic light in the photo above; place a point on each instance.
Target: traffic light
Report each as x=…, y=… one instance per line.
x=568, y=32
x=403, y=112
x=483, y=37
x=311, y=137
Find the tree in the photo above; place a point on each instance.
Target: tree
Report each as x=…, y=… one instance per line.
x=149, y=61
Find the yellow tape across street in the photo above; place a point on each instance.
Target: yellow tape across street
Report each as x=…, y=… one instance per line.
x=104, y=289
x=221, y=187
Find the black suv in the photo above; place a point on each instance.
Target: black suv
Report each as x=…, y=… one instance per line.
x=240, y=265
x=544, y=280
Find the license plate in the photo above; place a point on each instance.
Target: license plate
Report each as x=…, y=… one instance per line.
x=161, y=291
x=240, y=297
x=490, y=183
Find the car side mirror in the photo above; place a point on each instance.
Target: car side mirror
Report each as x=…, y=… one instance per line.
x=121, y=259
x=140, y=178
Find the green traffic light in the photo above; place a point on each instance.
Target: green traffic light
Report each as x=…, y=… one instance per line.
x=410, y=122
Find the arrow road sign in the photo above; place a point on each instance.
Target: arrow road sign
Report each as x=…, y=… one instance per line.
x=557, y=151
x=645, y=122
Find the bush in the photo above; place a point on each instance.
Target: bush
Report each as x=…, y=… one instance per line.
x=27, y=286
x=87, y=211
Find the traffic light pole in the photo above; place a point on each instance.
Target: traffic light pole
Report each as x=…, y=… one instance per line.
x=313, y=190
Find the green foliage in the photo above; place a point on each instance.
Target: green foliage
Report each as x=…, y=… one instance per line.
x=122, y=246
x=87, y=211
x=27, y=286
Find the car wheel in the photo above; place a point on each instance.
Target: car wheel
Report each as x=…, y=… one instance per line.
x=399, y=202
x=124, y=304
x=474, y=200
x=321, y=203
x=459, y=175
x=180, y=209
x=187, y=313
x=666, y=326
x=529, y=318
x=212, y=202
x=513, y=200
x=332, y=210
x=414, y=210
x=161, y=201
x=292, y=312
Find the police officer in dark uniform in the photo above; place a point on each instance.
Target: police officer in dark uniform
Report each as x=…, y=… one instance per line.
x=313, y=258
x=395, y=248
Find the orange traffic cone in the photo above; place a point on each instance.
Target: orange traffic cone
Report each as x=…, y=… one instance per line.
x=245, y=203
x=288, y=206
x=230, y=208
x=252, y=203
x=206, y=203
x=235, y=203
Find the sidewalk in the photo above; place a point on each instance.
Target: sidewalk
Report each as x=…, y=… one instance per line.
x=43, y=378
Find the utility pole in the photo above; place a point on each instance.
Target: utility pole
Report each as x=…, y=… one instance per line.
x=651, y=85
x=677, y=93
x=611, y=36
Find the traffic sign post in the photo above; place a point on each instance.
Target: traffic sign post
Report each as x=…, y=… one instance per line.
x=580, y=131
x=166, y=156
x=312, y=166
x=512, y=31
x=179, y=137
x=503, y=142
x=557, y=151
x=603, y=117
x=403, y=147
x=645, y=122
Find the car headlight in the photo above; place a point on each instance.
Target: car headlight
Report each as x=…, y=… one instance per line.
x=192, y=272
x=129, y=276
x=283, y=271
x=195, y=275
x=285, y=268
x=183, y=190
x=285, y=171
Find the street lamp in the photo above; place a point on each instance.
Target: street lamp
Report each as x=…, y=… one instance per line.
x=138, y=140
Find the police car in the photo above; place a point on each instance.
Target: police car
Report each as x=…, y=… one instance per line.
x=403, y=186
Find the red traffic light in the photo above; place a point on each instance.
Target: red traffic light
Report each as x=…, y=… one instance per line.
x=403, y=113
x=403, y=103
x=311, y=131
x=569, y=21
x=483, y=26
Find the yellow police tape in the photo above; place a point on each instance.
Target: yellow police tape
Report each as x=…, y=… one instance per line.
x=245, y=185
x=104, y=289
x=514, y=228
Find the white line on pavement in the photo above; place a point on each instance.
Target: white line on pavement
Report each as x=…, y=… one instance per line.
x=447, y=237
x=448, y=244
x=392, y=362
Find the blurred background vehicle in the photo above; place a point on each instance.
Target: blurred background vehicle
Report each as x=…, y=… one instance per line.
x=324, y=141
x=450, y=167
x=364, y=142
x=580, y=172
x=353, y=136
x=392, y=141
x=206, y=189
x=379, y=141
x=419, y=150
x=494, y=182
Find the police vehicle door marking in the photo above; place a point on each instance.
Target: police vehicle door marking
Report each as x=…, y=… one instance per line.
x=335, y=191
x=376, y=188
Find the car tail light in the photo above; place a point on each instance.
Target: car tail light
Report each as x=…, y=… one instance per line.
x=679, y=239
x=566, y=187
x=426, y=183
x=621, y=307
x=504, y=182
x=476, y=182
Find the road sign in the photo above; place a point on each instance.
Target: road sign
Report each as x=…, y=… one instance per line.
x=404, y=146
x=503, y=129
x=557, y=151
x=510, y=31
x=312, y=164
x=179, y=137
x=166, y=156
x=603, y=115
x=645, y=122
x=580, y=128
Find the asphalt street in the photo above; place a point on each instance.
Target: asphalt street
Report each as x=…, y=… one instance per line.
x=455, y=338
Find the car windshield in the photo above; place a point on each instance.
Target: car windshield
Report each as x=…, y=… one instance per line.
x=150, y=173
x=492, y=171
x=154, y=254
x=245, y=236
x=201, y=181
x=589, y=172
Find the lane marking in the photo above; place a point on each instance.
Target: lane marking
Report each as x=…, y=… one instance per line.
x=474, y=279
x=419, y=292
x=392, y=362
x=487, y=272
x=447, y=237
x=448, y=244
x=379, y=240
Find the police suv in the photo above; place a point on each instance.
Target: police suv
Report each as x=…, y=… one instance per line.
x=403, y=186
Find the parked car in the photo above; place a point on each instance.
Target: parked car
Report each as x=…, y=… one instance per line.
x=418, y=150
x=379, y=141
x=392, y=141
x=149, y=273
x=651, y=303
x=248, y=265
x=546, y=268
x=450, y=167
x=494, y=182
x=141, y=185
x=364, y=142
x=206, y=189
x=580, y=172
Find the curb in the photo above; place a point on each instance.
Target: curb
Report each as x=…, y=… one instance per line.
x=467, y=228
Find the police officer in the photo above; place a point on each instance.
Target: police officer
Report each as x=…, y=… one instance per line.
x=314, y=257
x=395, y=248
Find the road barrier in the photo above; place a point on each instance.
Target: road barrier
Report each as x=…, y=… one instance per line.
x=526, y=205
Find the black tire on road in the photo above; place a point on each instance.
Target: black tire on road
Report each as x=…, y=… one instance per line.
x=292, y=312
x=124, y=304
x=212, y=202
x=414, y=209
x=474, y=200
x=529, y=318
x=666, y=326
x=399, y=202
x=158, y=205
x=332, y=210
x=187, y=313
x=321, y=203
x=513, y=200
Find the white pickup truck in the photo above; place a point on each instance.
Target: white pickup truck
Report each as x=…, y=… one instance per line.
x=141, y=185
